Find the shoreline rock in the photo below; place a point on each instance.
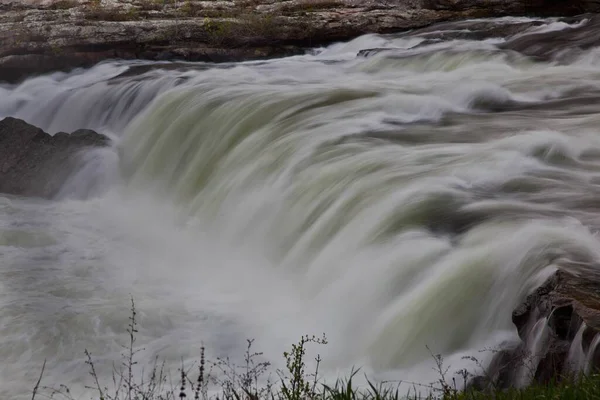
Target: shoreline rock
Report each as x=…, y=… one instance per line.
x=559, y=328
x=36, y=164
x=39, y=36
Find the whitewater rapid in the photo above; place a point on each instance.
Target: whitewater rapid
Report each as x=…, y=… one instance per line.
x=402, y=203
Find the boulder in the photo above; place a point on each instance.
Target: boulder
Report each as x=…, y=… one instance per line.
x=34, y=163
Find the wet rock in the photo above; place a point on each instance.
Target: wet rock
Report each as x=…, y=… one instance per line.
x=565, y=303
x=374, y=51
x=474, y=30
x=498, y=375
x=533, y=305
x=34, y=163
x=552, y=365
x=479, y=383
x=38, y=36
x=562, y=45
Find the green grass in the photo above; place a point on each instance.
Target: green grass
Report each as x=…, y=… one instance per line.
x=225, y=380
x=584, y=387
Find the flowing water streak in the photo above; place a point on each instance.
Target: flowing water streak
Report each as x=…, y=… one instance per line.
x=92, y=99
x=537, y=339
x=576, y=356
x=591, y=354
x=403, y=204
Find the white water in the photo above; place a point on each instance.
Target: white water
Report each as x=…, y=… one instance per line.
x=576, y=357
x=378, y=200
x=536, y=340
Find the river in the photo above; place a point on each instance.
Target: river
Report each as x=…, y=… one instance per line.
x=402, y=202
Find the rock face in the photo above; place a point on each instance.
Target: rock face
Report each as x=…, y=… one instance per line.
x=547, y=45
x=44, y=35
x=34, y=163
x=559, y=328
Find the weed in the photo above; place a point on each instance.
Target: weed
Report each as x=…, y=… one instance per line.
x=242, y=30
x=152, y=5
x=111, y=14
x=63, y=5
x=310, y=5
x=189, y=9
x=37, y=384
x=295, y=384
x=245, y=382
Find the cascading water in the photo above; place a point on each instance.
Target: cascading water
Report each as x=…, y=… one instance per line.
x=402, y=203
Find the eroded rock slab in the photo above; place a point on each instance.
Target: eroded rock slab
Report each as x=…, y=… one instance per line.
x=559, y=328
x=546, y=45
x=34, y=163
x=44, y=35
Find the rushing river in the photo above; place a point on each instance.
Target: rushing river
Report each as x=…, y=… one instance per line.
x=401, y=202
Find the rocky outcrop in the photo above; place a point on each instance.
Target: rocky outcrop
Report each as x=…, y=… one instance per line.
x=547, y=45
x=562, y=45
x=559, y=328
x=44, y=35
x=34, y=163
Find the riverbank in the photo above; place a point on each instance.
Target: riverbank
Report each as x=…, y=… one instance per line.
x=46, y=35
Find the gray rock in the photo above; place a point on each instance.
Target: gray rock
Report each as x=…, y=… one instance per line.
x=550, y=45
x=34, y=163
x=567, y=301
x=42, y=36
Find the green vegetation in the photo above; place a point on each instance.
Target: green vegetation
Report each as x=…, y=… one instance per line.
x=223, y=379
x=189, y=9
x=64, y=5
x=243, y=10
x=244, y=29
x=311, y=5
x=152, y=5
x=582, y=388
x=99, y=13
x=235, y=26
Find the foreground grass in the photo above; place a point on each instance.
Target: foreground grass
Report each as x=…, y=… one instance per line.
x=587, y=387
x=224, y=380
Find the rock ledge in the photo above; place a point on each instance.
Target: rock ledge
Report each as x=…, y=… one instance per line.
x=34, y=163
x=39, y=36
